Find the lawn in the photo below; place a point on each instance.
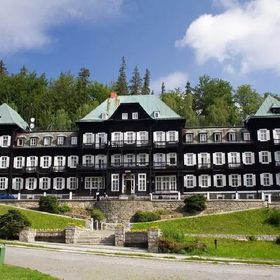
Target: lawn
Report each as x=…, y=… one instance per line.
x=9, y=272
x=41, y=220
x=229, y=248
x=249, y=222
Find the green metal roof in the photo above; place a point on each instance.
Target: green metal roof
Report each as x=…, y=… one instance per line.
x=265, y=109
x=10, y=116
x=150, y=103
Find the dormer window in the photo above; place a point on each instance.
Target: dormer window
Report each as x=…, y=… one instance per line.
x=104, y=116
x=189, y=137
x=156, y=114
x=60, y=140
x=47, y=141
x=33, y=141
x=124, y=116
x=203, y=137
x=217, y=137
x=246, y=136
x=232, y=137
x=74, y=140
x=135, y=115
x=275, y=109
x=20, y=141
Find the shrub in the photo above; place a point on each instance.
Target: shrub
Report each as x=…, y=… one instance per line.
x=195, y=203
x=97, y=214
x=64, y=208
x=49, y=204
x=251, y=238
x=146, y=216
x=12, y=223
x=274, y=217
x=277, y=241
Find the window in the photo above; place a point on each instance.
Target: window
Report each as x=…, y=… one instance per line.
x=88, y=138
x=117, y=139
x=88, y=160
x=104, y=116
x=233, y=159
x=189, y=159
x=116, y=160
x=30, y=183
x=159, y=159
x=20, y=142
x=246, y=136
x=232, y=136
x=134, y=115
x=263, y=135
x=217, y=137
x=166, y=184
x=74, y=140
x=47, y=141
x=277, y=158
x=4, y=162
x=160, y=138
x=17, y=184
x=142, y=137
x=249, y=180
x=45, y=183
x=115, y=182
x=266, y=179
x=276, y=136
x=59, y=160
x=58, y=183
x=143, y=159
x=189, y=137
x=172, y=158
x=172, y=136
x=45, y=162
x=202, y=137
x=72, y=183
x=130, y=137
x=218, y=158
x=190, y=181
x=73, y=161
x=234, y=180
x=124, y=116
x=129, y=160
x=19, y=162
x=60, y=140
x=203, y=160
x=248, y=158
x=33, y=141
x=3, y=183
x=265, y=157
x=141, y=182
x=6, y=141
x=156, y=114
x=219, y=180
x=204, y=181
x=32, y=161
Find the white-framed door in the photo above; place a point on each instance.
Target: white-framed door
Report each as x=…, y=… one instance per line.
x=128, y=183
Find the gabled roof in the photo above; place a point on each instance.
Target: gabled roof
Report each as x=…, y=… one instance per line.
x=150, y=103
x=265, y=109
x=10, y=116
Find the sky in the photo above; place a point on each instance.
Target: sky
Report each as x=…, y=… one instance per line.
x=177, y=40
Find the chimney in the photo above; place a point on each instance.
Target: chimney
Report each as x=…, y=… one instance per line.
x=113, y=94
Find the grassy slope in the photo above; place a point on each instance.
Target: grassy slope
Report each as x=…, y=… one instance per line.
x=9, y=272
x=249, y=222
x=40, y=220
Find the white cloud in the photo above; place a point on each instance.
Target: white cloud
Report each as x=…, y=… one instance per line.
x=245, y=37
x=171, y=81
x=25, y=24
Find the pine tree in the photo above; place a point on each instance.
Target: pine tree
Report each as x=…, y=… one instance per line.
x=146, y=85
x=162, y=88
x=3, y=69
x=121, y=85
x=135, y=82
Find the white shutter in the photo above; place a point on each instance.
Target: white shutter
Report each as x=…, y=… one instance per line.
x=275, y=136
x=208, y=158
x=199, y=158
x=194, y=180
x=267, y=135
x=15, y=162
x=239, y=180
x=155, y=136
x=84, y=160
x=28, y=162
x=55, y=163
x=9, y=141
x=278, y=179
x=223, y=158
x=238, y=157
x=260, y=157
x=209, y=180
x=214, y=158
x=41, y=161
x=262, y=179
x=63, y=161
x=134, y=137
x=113, y=136
x=8, y=161
x=230, y=180
x=269, y=157
x=229, y=158
x=253, y=157
x=125, y=137
x=105, y=138
x=254, y=179
x=259, y=135
x=6, y=183
x=194, y=159
x=176, y=136
x=84, y=138
x=215, y=180
x=1, y=141
x=200, y=181
x=147, y=158
x=167, y=136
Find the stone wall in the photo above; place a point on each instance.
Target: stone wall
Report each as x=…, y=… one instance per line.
x=136, y=239
x=50, y=236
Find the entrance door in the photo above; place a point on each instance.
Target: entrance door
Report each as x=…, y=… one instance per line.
x=128, y=184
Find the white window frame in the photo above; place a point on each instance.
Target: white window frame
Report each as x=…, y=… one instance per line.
x=190, y=159
x=266, y=179
x=265, y=157
x=45, y=183
x=235, y=180
x=189, y=181
x=31, y=183
x=189, y=138
x=263, y=135
x=166, y=184
x=203, y=137
x=3, y=183
x=135, y=115
x=248, y=158
x=60, y=140
x=74, y=140
x=4, y=162
x=217, y=178
x=124, y=116
x=33, y=141
x=204, y=181
x=115, y=182
x=249, y=180
x=58, y=183
x=72, y=183
x=142, y=182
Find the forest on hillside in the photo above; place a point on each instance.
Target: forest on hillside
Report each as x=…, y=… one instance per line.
x=57, y=104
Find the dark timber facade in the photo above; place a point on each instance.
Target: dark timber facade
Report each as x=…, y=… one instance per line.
x=138, y=146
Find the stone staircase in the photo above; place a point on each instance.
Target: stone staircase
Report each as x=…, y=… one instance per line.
x=97, y=237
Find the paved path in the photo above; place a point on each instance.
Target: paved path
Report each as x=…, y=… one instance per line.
x=83, y=266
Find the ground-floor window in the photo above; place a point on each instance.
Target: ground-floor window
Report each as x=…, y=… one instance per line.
x=30, y=183
x=190, y=181
x=45, y=183
x=17, y=184
x=72, y=183
x=166, y=183
x=58, y=183
x=142, y=182
x=3, y=183
x=115, y=182
x=95, y=183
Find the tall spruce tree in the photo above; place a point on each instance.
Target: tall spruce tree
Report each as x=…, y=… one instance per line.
x=146, y=84
x=121, y=85
x=163, y=90
x=135, y=82
x=3, y=69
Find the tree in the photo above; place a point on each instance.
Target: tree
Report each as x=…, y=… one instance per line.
x=188, y=112
x=121, y=85
x=12, y=223
x=248, y=100
x=163, y=88
x=3, y=69
x=49, y=204
x=194, y=203
x=146, y=84
x=135, y=82
x=61, y=120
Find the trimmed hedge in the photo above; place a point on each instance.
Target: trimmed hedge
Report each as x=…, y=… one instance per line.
x=146, y=216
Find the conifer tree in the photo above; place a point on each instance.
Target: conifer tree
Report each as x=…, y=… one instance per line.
x=121, y=85
x=163, y=88
x=135, y=82
x=146, y=84
x=3, y=69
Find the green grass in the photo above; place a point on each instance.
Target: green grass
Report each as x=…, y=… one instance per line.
x=9, y=272
x=249, y=222
x=40, y=220
x=229, y=248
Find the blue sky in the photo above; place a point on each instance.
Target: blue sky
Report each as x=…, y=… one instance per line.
x=177, y=40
